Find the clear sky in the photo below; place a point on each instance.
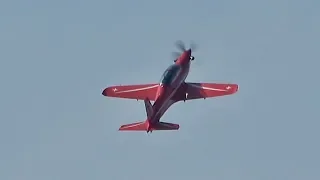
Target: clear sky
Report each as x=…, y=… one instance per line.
x=57, y=56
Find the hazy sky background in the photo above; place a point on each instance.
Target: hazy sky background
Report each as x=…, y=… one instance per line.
x=57, y=56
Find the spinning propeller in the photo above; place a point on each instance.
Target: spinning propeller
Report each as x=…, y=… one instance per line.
x=181, y=46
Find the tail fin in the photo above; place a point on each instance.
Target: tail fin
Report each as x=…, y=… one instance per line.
x=145, y=126
x=149, y=108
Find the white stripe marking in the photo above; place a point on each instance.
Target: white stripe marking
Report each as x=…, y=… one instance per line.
x=139, y=89
x=206, y=88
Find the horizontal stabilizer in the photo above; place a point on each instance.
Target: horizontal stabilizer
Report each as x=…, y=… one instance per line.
x=138, y=126
x=145, y=126
x=165, y=126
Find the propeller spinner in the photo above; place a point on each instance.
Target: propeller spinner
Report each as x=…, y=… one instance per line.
x=181, y=46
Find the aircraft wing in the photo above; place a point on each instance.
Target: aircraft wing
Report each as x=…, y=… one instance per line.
x=139, y=91
x=190, y=91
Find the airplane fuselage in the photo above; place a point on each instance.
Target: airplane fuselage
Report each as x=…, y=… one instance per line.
x=166, y=91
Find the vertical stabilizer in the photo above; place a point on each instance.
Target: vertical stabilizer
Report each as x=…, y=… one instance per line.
x=149, y=108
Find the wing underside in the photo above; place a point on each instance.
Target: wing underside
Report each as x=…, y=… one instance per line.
x=139, y=91
x=190, y=91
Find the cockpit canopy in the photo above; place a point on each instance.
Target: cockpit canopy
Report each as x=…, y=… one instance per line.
x=170, y=74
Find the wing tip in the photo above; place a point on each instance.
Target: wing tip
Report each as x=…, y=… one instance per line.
x=106, y=91
x=236, y=88
x=232, y=88
x=121, y=128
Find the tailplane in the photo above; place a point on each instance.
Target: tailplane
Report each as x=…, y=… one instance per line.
x=165, y=126
x=138, y=126
x=146, y=126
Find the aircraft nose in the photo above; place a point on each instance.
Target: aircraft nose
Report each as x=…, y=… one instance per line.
x=189, y=52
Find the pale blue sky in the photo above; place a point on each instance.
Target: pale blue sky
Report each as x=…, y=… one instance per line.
x=57, y=56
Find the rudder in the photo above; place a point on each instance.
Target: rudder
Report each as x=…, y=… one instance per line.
x=149, y=108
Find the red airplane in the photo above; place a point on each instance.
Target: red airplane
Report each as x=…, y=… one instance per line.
x=171, y=89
